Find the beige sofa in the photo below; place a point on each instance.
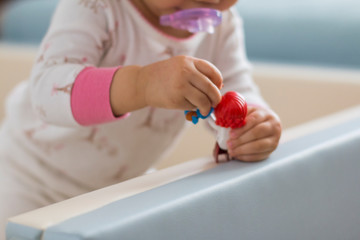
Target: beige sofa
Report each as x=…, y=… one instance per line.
x=297, y=93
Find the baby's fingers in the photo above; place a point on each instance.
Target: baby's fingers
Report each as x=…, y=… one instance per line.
x=253, y=118
x=259, y=131
x=260, y=146
x=210, y=71
x=252, y=157
x=199, y=99
x=208, y=80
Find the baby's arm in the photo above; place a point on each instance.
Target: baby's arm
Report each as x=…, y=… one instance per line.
x=68, y=60
x=69, y=88
x=180, y=82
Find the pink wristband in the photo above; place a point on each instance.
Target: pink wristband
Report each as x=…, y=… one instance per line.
x=90, y=96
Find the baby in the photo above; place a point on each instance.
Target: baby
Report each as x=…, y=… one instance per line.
x=106, y=95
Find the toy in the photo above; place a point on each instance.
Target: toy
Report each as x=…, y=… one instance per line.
x=229, y=113
x=193, y=20
x=195, y=115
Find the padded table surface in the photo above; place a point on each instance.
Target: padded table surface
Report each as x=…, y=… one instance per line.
x=308, y=189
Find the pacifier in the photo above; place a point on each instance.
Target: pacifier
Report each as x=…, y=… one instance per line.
x=193, y=20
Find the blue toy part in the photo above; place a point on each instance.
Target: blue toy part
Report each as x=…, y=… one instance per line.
x=195, y=119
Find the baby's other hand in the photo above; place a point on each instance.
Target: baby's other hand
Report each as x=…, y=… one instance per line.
x=258, y=138
x=182, y=82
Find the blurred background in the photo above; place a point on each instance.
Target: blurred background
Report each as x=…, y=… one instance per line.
x=321, y=32
x=306, y=56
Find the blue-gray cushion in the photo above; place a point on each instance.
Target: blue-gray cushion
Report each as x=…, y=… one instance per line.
x=320, y=32
x=307, y=189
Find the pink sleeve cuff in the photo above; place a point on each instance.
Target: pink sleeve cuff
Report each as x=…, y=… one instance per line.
x=90, y=96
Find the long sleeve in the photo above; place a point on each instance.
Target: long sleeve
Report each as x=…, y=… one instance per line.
x=232, y=61
x=78, y=38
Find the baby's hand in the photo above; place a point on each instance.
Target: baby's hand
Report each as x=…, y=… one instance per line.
x=258, y=138
x=182, y=82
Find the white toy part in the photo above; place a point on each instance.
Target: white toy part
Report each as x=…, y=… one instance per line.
x=222, y=134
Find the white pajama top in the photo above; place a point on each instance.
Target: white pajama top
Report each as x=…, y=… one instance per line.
x=87, y=40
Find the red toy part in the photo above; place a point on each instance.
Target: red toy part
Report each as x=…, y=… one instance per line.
x=231, y=111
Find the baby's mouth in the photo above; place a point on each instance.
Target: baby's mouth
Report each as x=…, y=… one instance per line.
x=193, y=20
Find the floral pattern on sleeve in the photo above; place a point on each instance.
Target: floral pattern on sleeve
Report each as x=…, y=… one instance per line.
x=94, y=5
